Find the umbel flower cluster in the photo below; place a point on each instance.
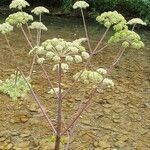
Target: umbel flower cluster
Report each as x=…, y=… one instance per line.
x=112, y=18
x=81, y=5
x=136, y=21
x=40, y=10
x=38, y=25
x=6, y=28
x=19, y=18
x=59, y=50
x=19, y=4
x=94, y=77
x=13, y=87
x=128, y=39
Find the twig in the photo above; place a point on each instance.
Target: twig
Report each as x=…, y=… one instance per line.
x=59, y=111
x=39, y=103
x=100, y=41
x=86, y=32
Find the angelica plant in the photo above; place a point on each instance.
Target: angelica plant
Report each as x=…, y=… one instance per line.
x=62, y=54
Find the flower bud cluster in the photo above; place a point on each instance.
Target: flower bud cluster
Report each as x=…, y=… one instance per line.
x=6, y=28
x=94, y=77
x=112, y=18
x=81, y=5
x=40, y=10
x=38, y=25
x=19, y=4
x=19, y=18
x=88, y=77
x=128, y=39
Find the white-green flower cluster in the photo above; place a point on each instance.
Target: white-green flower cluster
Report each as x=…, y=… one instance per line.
x=51, y=91
x=112, y=18
x=40, y=10
x=60, y=50
x=64, y=67
x=108, y=82
x=19, y=18
x=136, y=21
x=128, y=39
x=81, y=5
x=40, y=60
x=6, y=28
x=14, y=90
x=102, y=71
x=38, y=25
x=88, y=77
x=19, y=4
x=94, y=77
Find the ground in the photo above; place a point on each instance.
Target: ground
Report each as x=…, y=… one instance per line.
x=118, y=118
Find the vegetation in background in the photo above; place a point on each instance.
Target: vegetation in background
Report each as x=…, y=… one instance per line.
x=130, y=8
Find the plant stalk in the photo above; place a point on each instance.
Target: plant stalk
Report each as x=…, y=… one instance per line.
x=86, y=31
x=59, y=112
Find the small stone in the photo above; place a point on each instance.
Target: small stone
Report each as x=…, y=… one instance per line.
x=24, y=119
x=33, y=107
x=9, y=146
x=25, y=134
x=104, y=144
x=22, y=144
x=2, y=139
x=96, y=144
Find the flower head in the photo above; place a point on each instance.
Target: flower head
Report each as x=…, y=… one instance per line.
x=38, y=25
x=19, y=18
x=40, y=10
x=108, y=82
x=55, y=90
x=19, y=4
x=128, y=38
x=6, y=28
x=112, y=18
x=40, y=60
x=136, y=21
x=81, y=5
x=64, y=67
x=88, y=77
x=102, y=71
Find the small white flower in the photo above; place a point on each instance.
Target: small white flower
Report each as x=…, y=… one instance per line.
x=40, y=60
x=56, y=91
x=40, y=10
x=81, y=5
x=40, y=50
x=102, y=71
x=108, y=82
x=59, y=48
x=136, y=21
x=19, y=4
x=64, y=67
x=49, y=47
x=50, y=55
x=85, y=55
x=6, y=28
x=69, y=58
x=38, y=25
x=78, y=58
x=56, y=59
